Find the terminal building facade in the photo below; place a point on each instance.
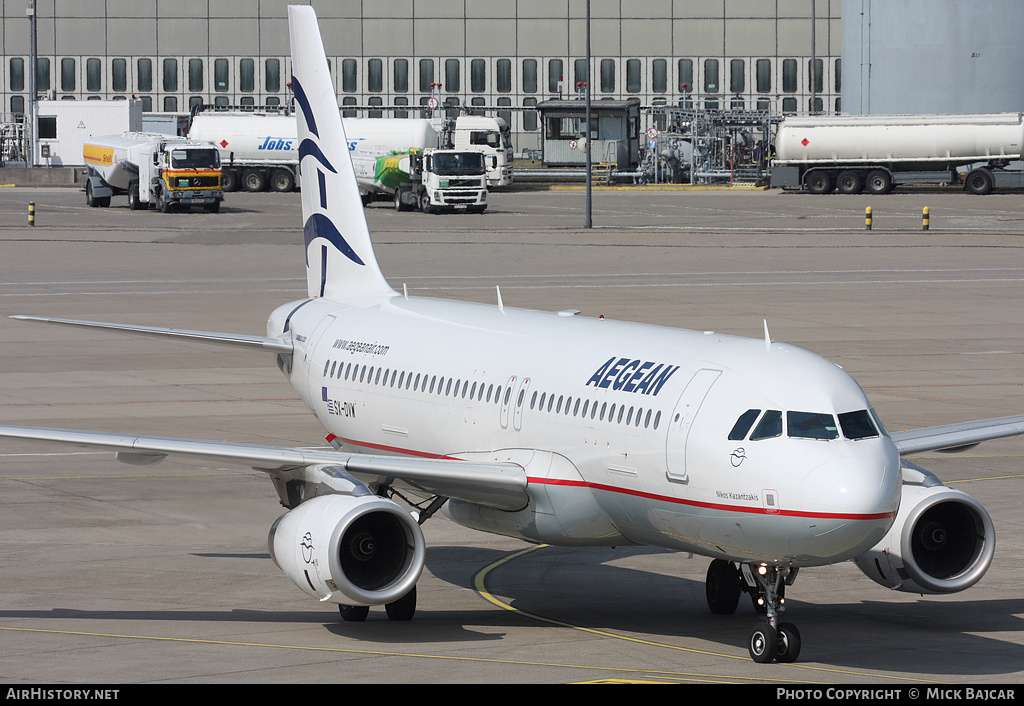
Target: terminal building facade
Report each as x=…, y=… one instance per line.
x=390, y=57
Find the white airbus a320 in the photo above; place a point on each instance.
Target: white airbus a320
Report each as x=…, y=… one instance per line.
x=764, y=457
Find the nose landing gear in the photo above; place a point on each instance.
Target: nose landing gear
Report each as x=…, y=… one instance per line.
x=770, y=640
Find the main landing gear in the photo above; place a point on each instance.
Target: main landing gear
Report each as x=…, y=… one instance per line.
x=402, y=609
x=766, y=584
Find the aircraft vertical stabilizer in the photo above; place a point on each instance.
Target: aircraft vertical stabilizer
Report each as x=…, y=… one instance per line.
x=340, y=263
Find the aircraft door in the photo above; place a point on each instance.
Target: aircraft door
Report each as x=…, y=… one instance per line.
x=517, y=416
x=682, y=419
x=506, y=401
x=310, y=349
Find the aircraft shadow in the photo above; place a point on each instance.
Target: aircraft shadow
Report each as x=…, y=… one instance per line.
x=938, y=635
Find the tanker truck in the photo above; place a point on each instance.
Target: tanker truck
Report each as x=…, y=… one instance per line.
x=259, y=151
x=876, y=153
x=153, y=170
x=431, y=180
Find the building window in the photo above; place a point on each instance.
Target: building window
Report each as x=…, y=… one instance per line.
x=555, y=76
x=349, y=69
x=426, y=75
x=581, y=73
x=839, y=76
x=453, y=75
x=789, y=106
x=67, y=74
x=789, y=81
x=144, y=76
x=376, y=100
x=273, y=76
x=659, y=76
x=375, y=75
x=401, y=113
x=170, y=78
x=633, y=80
x=737, y=76
x=503, y=75
x=17, y=104
x=195, y=75
x=529, y=75
x=685, y=75
x=47, y=127
x=247, y=75
x=607, y=75
x=119, y=75
x=171, y=104
x=529, y=116
x=815, y=76
x=17, y=82
x=478, y=75
x=42, y=74
x=764, y=75
x=94, y=75
x=221, y=71
x=400, y=76
x=711, y=76
x=349, y=100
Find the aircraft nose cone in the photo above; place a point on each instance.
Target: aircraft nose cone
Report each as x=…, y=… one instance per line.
x=863, y=487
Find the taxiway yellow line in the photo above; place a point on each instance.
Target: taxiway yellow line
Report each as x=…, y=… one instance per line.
x=480, y=585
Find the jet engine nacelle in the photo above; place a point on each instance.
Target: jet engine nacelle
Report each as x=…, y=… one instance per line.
x=941, y=542
x=354, y=550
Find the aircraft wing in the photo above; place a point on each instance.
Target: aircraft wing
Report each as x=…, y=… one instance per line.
x=276, y=345
x=500, y=485
x=957, y=437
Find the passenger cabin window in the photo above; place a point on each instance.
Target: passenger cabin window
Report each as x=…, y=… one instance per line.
x=743, y=424
x=857, y=425
x=769, y=427
x=811, y=425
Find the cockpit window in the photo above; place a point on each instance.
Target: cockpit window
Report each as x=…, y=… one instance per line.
x=811, y=425
x=857, y=425
x=769, y=427
x=743, y=424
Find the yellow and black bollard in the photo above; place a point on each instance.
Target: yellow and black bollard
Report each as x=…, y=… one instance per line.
x=924, y=219
x=31, y=213
x=867, y=218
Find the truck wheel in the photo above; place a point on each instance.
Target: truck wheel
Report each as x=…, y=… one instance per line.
x=849, y=182
x=133, y=197
x=978, y=182
x=282, y=181
x=879, y=182
x=819, y=182
x=253, y=180
x=425, y=204
x=229, y=180
x=94, y=201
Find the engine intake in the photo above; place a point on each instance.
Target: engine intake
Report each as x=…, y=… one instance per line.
x=942, y=541
x=355, y=550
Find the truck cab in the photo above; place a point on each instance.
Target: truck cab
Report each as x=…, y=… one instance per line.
x=186, y=175
x=445, y=180
x=492, y=137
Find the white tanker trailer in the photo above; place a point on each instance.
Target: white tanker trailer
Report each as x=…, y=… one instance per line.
x=259, y=151
x=875, y=153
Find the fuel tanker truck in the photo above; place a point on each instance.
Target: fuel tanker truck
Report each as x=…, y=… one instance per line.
x=153, y=169
x=876, y=153
x=259, y=151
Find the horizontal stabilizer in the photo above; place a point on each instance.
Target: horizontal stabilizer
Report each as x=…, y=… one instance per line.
x=276, y=345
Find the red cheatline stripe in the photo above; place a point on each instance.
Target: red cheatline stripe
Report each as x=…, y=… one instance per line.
x=637, y=493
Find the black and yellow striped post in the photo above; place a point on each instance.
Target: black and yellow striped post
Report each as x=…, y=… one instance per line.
x=924, y=219
x=31, y=213
x=867, y=218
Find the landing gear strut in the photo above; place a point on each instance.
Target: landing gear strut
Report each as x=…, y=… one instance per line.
x=770, y=639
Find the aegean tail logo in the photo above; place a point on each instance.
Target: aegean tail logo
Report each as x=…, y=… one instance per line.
x=319, y=225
